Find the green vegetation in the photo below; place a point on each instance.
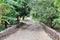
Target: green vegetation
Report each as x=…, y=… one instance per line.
x=11, y=10
x=14, y=8
x=46, y=11
x=2, y=28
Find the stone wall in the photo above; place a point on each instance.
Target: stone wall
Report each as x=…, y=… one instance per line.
x=51, y=32
x=8, y=31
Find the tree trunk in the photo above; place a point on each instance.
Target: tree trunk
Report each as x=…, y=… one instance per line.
x=23, y=17
x=5, y=24
x=17, y=19
x=51, y=23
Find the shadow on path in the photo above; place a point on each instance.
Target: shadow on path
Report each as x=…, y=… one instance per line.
x=31, y=31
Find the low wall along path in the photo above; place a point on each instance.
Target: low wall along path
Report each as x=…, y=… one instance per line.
x=52, y=33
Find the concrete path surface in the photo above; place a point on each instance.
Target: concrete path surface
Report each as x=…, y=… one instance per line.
x=30, y=31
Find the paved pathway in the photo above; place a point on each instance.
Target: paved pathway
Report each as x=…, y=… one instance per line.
x=31, y=31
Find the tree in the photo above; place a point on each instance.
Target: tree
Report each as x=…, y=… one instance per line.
x=24, y=9
x=57, y=4
x=1, y=9
x=15, y=8
x=45, y=10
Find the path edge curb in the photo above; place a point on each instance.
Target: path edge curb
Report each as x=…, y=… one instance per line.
x=8, y=31
x=51, y=32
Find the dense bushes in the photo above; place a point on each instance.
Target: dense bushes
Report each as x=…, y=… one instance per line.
x=14, y=8
x=46, y=11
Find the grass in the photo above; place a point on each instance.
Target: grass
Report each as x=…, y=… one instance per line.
x=36, y=19
x=57, y=26
x=2, y=28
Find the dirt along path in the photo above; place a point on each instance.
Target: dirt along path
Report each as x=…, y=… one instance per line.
x=30, y=31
